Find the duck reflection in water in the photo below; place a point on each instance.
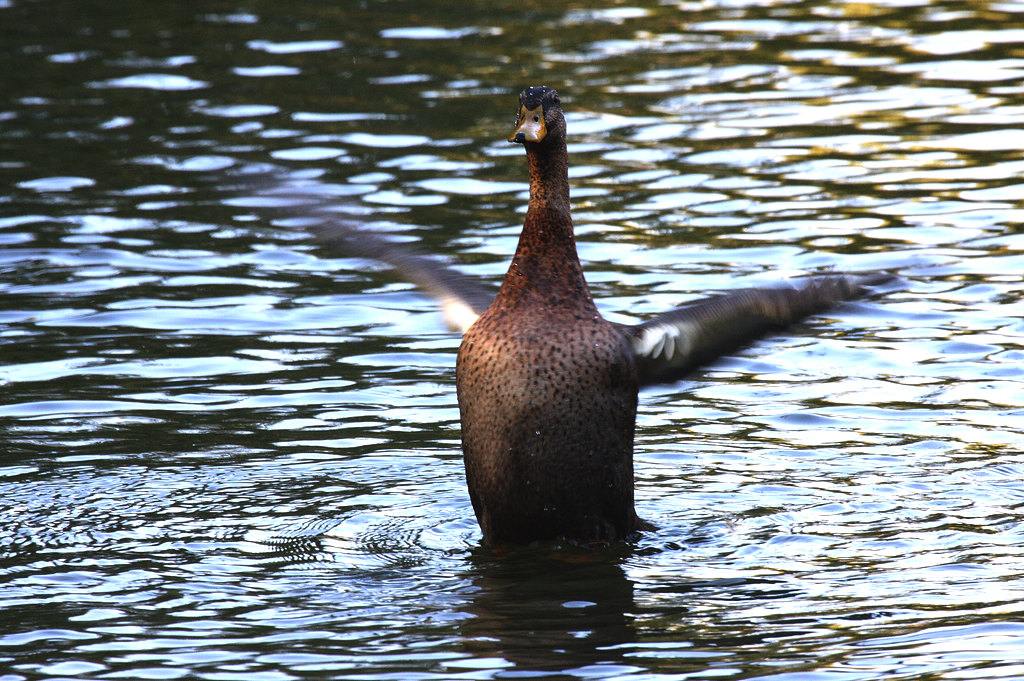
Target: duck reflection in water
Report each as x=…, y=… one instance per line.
x=556, y=612
x=547, y=388
x=549, y=611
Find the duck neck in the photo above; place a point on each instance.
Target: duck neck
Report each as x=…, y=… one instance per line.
x=546, y=269
x=549, y=180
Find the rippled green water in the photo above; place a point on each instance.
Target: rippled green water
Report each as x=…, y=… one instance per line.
x=228, y=453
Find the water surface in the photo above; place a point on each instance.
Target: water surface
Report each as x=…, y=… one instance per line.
x=229, y=453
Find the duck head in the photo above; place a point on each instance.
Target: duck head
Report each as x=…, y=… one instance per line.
x=539, y=116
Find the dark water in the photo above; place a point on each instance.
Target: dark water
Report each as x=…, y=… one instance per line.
x=228, y=453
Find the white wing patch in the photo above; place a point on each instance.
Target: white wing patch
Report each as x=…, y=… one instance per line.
x=672, y=343
x=458, y=315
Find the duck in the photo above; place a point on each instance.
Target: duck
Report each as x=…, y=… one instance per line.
x=547, y=388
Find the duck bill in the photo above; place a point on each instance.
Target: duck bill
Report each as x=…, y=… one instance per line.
x=530, y=126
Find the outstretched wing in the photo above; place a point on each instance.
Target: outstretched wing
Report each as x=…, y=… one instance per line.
x=674, y=343
x=463, y=298
x=320, y=210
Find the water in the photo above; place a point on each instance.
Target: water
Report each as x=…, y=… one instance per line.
x=229, y=453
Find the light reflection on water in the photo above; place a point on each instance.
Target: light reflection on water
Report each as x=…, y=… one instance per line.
x=231, y=454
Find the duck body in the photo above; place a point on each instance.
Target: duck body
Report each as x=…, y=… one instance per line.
x=547, y=387
x=548, y=414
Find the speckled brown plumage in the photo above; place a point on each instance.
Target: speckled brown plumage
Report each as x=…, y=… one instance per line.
x=547, y=388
